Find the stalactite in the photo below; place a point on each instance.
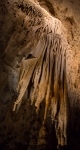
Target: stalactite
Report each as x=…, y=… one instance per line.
x=46, y=69
x=24, y=81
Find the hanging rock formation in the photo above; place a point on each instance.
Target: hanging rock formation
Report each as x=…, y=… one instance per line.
x=43, y=71
x=36, y=78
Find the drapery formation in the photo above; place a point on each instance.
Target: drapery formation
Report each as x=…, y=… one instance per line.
x=43, y=71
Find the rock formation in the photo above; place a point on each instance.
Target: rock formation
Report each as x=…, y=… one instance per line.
x=43, y=72
x=36, y=69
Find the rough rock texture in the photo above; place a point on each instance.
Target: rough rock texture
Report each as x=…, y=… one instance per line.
x=24, y=130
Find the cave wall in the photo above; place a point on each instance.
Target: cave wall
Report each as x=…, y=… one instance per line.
x=19, y=128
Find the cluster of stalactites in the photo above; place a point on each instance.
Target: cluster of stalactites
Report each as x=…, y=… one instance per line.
x=46, y=75
x=43, y=76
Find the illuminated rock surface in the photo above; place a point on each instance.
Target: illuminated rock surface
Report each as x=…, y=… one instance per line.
x=37, y=61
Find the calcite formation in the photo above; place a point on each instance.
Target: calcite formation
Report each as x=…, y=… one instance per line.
x=28, y=35
x=43, y=73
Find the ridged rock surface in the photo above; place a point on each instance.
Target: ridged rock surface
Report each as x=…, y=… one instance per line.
x=24, y=130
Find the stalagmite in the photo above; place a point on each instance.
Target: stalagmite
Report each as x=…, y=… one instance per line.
x=43, y=71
